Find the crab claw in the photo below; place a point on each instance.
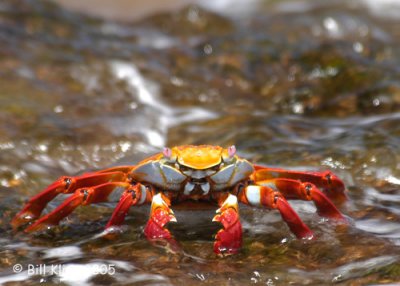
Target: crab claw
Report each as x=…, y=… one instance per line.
x=160, y=215
x=229, y=239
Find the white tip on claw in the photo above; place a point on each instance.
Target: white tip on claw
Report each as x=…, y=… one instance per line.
x=216, y=218
x=230, y=201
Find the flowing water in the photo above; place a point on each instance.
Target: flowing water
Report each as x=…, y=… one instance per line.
x=306, y=85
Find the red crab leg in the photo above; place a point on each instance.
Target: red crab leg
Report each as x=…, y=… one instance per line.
x=34, y=207
x=332, y=186
x=293, y=189
x=229, y=239
x=137, y=195
x=83, y=196
x=268, y=197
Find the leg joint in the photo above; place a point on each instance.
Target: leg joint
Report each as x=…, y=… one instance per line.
x=275, y=197
x=308, y=188
x=87, y=195
x=67, y=183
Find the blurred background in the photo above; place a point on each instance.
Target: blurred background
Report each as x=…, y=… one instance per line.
x=305, y=85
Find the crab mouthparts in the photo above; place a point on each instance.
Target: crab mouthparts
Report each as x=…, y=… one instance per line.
x=196, y=185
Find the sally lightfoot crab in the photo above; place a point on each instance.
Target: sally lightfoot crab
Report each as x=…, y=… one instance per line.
x=191, y=173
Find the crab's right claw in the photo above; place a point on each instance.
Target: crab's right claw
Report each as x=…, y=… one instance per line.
x=229, y=239
x=160, y=215
x=156, y=231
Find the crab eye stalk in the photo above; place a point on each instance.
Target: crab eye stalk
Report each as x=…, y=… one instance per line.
x=231, y=151
x=167, y=152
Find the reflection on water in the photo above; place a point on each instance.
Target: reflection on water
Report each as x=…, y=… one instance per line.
x=307, y=85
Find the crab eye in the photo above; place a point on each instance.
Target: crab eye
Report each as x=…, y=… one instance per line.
x=231, y=151
x=167, y=152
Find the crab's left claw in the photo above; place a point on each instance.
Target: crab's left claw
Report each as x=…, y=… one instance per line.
x=229, y=239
